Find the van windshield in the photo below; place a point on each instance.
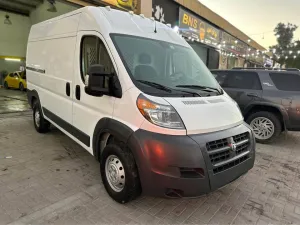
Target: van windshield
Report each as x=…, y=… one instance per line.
x=164, y=64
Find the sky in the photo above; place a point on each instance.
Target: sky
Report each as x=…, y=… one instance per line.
x=255, y=17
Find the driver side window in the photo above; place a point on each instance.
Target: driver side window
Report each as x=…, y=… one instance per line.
x=93, y=51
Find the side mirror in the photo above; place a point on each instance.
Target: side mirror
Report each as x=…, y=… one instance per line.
x=99, y=82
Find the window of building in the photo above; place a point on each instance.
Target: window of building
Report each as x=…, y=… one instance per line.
x=93, y=51
x=286, y=81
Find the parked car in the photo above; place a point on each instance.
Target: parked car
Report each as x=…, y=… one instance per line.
x=16, y=80
x=269, y=99
x=141, y=101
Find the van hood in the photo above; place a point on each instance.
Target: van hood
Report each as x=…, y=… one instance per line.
x=207, y=114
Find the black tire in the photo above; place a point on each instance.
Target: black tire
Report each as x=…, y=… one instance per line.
x=132, y=187
x=6, y=85
x=21, y=87
x=273, y=118
x=41, y=126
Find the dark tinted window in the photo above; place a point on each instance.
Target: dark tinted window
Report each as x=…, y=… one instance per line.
x=286, y=81
x=241, y=80
x=11, y=75
x=220, y=77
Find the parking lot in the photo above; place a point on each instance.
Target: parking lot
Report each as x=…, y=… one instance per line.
x=49, y=179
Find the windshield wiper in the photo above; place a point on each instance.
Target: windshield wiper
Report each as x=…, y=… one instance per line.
x=204, y=88
x=156, y=85
x=165, y=88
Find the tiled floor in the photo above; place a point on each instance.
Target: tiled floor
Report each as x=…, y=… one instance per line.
x=52, y=180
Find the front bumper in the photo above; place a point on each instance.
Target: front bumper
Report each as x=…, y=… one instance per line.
x=180, y=166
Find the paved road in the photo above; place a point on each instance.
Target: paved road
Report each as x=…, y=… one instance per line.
x=51, y=180
x=13, y=101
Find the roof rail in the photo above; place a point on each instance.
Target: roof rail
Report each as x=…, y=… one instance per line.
x=265, y=68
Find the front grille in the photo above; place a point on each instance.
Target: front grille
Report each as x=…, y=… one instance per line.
x=230, y=164
x=219, y=157
x=240, y=137
x=227, y=148
x=211, y=146
x=242, y=148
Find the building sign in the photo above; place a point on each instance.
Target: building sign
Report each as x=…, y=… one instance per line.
x=123, y=4
x=165, y=11
x=212, y=35
x=192, y=26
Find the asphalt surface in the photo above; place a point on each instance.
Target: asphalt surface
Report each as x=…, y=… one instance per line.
x=49, y=179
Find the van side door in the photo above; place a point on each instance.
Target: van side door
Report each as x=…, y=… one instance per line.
x=87, y=109
x=243, y=86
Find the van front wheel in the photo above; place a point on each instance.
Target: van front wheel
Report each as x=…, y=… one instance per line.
x=119, y=173
x=40, y=123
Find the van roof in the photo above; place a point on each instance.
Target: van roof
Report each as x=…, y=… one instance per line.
x=106, y=21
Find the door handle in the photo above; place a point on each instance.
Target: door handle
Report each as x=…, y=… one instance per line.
x=68, y=89
x=252, y=95
x=77, y=92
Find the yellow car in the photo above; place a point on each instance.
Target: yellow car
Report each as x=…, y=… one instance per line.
x=128, y=4
x=16, y=80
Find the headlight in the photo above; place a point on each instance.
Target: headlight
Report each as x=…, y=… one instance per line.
x=160, y=115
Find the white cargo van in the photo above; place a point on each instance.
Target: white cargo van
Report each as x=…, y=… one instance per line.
x=133, y=93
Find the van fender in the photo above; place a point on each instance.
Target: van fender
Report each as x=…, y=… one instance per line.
x=118, y=130
x=32, y=94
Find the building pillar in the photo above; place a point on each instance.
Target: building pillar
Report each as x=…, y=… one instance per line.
x=145, y=7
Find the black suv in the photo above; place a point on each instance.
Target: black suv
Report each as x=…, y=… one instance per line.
x=269, y=99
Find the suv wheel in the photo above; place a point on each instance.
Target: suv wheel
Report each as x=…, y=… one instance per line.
x=40, y=123
x=119, y=173
x=266, y=126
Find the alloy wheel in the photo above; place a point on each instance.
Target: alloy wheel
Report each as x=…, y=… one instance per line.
x=263, y=128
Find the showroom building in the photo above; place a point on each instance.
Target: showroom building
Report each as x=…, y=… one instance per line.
x=216, y=41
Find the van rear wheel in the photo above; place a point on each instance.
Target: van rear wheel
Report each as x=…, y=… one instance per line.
x=40, y=123
x=119, y=173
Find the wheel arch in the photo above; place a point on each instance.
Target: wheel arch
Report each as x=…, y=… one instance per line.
x=107, y=128
x=272, y=108
x=32, y=95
